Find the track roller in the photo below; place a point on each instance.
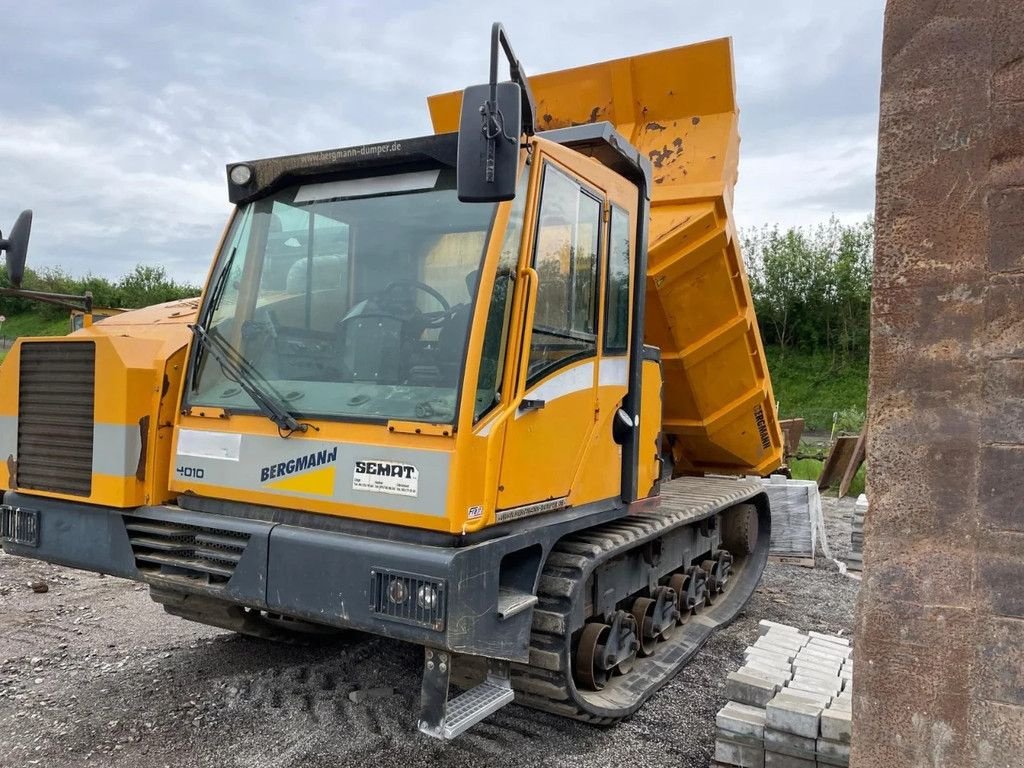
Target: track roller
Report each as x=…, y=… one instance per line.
x=655, y=618
x=691, y=590
x=604, y=649
x=718, y=571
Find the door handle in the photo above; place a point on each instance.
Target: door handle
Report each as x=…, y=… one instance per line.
x=531, y=405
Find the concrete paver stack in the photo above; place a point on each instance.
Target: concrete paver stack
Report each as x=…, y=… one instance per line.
x=789, y=704
x=855, y=560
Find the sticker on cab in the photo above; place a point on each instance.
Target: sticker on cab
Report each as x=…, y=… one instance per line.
x=385, y=477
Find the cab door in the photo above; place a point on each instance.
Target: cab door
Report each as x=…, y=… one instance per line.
x=550, y=430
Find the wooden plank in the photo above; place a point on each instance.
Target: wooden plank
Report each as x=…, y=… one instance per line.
x=792, y=431
x=855, y=461
x=804, y=562
x=838, y=459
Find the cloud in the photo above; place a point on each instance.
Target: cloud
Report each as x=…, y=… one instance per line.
x=800, y=186
x=117, y=123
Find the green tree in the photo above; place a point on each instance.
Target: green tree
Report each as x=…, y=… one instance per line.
x=142, y=287
x=812, y=286
x=146, y=285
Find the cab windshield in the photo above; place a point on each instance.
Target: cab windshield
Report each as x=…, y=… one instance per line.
x=350, y=298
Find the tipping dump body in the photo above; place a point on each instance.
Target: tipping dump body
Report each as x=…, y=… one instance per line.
x=678, y=106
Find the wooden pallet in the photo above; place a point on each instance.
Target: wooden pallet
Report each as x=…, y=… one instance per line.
x=792, y=431
x=843, y=461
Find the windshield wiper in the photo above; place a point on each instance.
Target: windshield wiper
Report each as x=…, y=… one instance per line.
x=211, y=307
x=242, y=372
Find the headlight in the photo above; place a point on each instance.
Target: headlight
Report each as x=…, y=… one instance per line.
x=397, y=593
x=241, y=174
x=426, y=597
x=410, y=598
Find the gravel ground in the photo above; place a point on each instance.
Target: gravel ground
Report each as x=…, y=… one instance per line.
x=93, y=673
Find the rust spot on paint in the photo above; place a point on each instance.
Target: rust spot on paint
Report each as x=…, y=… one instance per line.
x=548, y=118
x=655, y=127
x=659, y=156
x=140, y=469
x=695, y=120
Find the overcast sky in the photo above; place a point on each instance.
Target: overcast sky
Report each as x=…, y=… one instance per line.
x=117, y=119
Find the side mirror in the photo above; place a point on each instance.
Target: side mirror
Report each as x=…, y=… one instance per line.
x=16, y=247
x=489, y=131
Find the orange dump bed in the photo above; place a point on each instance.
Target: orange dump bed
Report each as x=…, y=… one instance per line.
x=678, y=106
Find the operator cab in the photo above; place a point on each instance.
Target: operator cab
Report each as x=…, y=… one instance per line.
x=351, y=296
x=348, y=289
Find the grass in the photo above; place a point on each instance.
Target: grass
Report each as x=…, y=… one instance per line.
x=32, y=324
x=813, y=387
x=809, y=469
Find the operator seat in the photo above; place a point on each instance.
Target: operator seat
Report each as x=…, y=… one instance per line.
x=452, y=338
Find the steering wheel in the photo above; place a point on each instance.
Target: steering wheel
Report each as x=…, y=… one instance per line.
x=389, y=309
x=429, y=319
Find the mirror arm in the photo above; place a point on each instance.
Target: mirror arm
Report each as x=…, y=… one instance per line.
x=83, y=303
x=516, y=73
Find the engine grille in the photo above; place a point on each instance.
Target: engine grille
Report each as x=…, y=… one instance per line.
x=206, y=555
x=55, y=416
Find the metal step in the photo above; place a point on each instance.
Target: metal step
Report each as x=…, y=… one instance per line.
x=444, y=718
x=469, y=708
x=512, y=602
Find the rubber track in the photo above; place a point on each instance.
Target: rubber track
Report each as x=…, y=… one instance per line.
x=546, y=682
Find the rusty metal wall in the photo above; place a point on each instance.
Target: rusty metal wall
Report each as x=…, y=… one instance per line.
x=940, y=622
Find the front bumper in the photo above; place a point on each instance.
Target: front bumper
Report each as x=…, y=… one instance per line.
x=326, y=577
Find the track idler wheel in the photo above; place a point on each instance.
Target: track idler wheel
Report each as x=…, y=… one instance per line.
x=604, y=649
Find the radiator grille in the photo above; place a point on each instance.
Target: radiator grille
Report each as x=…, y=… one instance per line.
x=56, y=395
x=206, y=555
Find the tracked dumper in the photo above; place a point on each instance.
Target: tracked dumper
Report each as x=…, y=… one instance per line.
x=497, y=391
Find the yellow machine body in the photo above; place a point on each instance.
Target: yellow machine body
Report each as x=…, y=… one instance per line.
x=130, y=395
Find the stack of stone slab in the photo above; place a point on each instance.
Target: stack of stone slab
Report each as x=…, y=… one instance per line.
x=795, y=506
x=855, y=560
x=789, y=704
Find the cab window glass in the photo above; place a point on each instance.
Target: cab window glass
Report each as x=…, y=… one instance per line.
x=492, y=357
x=616, y=315
x=565, y=257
